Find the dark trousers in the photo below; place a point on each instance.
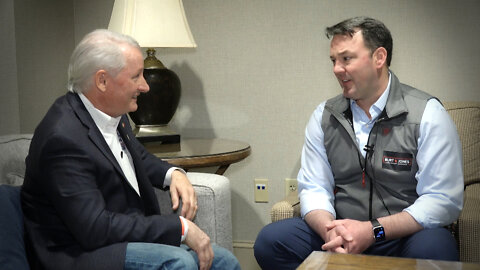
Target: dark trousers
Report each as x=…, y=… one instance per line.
x=285, y=244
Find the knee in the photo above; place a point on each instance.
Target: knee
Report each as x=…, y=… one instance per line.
x=180, y=259
x=157, y=256
x=284, y=244
x=224, y=259
x=434, y=244
x=264, y=242
x=265, y=247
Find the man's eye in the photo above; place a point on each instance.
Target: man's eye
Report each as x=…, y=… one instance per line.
x=347, y=58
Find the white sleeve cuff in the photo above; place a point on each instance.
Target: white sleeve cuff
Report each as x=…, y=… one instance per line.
x=168, y=176
x=184, y=228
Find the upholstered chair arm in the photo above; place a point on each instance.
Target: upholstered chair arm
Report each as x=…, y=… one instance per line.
x=468, y=225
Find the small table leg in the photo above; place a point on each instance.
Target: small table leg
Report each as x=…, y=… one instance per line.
x=221, y=170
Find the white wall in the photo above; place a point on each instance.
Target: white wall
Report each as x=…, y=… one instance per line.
x=36, y=43
x=9, y=111
x=260, y=69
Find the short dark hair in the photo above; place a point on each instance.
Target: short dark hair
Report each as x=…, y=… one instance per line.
x=375, y=33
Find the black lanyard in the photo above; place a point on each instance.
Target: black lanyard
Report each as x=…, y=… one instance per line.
x=369, y=149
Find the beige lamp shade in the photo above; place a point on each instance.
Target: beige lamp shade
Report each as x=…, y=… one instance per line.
x=153, y=23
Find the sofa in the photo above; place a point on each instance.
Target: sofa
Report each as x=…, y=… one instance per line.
x=466, y=116
x=213, y=195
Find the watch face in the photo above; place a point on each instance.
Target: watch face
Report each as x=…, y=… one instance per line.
x=379, y=234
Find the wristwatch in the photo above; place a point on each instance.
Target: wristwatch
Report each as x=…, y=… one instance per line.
x=378, y=231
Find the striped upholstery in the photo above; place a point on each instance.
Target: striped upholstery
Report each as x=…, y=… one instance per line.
x=466, y=116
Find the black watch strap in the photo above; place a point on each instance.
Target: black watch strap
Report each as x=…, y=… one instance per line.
x=375, y=223
x=378, y=231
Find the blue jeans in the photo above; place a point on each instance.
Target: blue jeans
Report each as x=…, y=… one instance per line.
x=285, y=244
x=157, y=256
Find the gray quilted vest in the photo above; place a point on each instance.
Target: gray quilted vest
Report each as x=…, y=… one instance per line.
x=382, y=183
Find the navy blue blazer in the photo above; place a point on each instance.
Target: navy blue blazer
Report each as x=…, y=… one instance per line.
x=80, y=210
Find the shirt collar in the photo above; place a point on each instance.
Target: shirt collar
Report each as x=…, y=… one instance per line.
x=104, y=122
x=382, y=101
x=380, y=104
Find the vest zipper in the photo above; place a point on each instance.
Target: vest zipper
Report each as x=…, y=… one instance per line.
x=370, y=210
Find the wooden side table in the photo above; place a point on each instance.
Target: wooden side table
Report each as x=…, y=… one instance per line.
x=327, y=260
x=200, y=153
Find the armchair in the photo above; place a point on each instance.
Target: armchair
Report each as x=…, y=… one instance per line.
x=466, y=116
x=213, y=196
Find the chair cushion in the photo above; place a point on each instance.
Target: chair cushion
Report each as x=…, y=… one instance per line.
x=469, y=225
x=13, y=149
x=12, y=247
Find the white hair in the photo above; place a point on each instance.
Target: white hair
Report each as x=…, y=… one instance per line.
x=100, y=49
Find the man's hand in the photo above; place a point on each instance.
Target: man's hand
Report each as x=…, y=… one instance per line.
x=357, y=236
x=200, y=242
x=318, y=220
x=340, y=236
x=180, y=187
x=353, y=235
x=337, y=239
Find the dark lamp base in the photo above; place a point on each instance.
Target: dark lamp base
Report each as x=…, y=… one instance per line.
x=156, y=134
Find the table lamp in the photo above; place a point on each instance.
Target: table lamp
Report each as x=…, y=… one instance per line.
x=154, y=24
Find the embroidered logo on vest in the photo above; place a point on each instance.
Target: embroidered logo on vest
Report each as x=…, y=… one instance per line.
x=397, y=161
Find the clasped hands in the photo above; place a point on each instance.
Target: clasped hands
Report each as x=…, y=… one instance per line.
x=348, y=236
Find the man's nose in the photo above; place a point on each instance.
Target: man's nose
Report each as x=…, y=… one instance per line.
x=143, y=87
x=338, y=68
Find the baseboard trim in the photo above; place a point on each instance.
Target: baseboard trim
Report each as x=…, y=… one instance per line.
x=243, y=244
x=243, y=250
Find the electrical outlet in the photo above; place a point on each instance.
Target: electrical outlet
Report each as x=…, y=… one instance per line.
x=291, y=186
x=261, y=190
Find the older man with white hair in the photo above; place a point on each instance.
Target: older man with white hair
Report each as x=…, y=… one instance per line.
x=88, y=195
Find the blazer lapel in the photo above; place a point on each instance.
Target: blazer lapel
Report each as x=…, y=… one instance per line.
x=93, y=131
x=148, y=197
x=146, y=189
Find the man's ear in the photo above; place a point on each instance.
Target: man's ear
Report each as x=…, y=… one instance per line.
x=380, y=57
x=101, y=80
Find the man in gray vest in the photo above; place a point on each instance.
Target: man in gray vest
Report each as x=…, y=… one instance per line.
x=381, y=169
